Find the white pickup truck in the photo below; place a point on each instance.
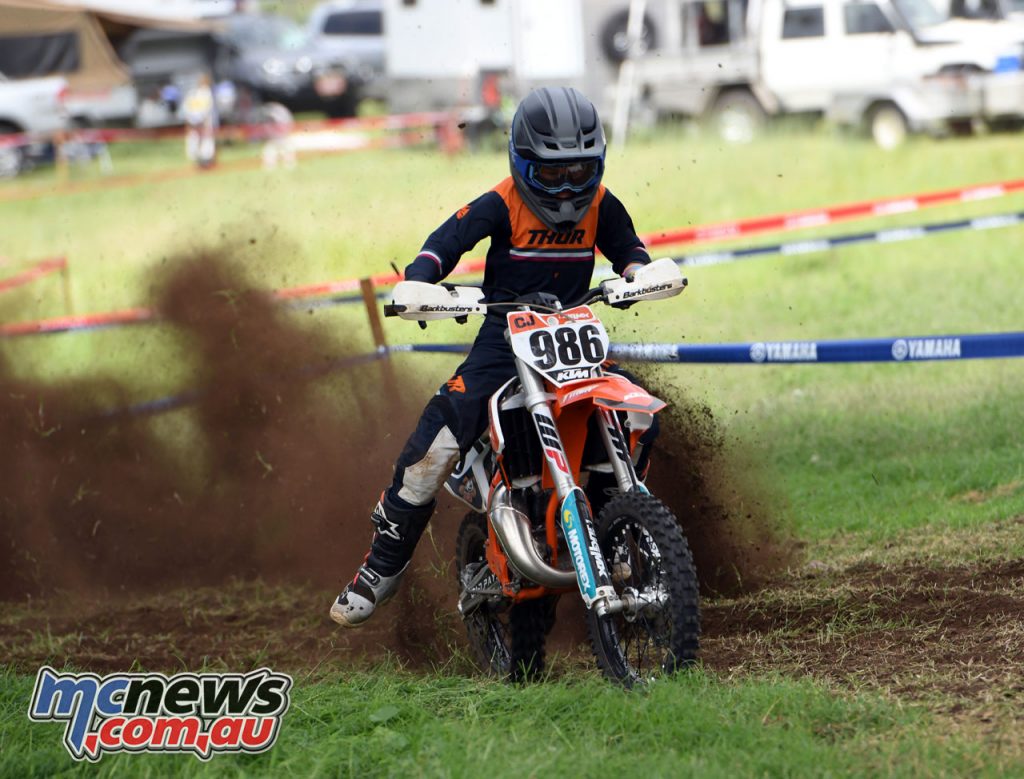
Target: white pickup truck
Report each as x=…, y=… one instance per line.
x=895, y=65
x=32, y=106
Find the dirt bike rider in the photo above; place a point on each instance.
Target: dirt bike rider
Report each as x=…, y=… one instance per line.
x=544, y=222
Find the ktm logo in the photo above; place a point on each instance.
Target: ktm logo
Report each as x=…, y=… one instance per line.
x=456, y=384
x=462, y=212
x=548, y=237
x=574, y=373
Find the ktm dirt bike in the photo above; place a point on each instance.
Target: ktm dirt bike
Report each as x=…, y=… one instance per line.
x=531, y=536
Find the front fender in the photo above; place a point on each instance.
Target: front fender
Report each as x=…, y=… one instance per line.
x=612, y=392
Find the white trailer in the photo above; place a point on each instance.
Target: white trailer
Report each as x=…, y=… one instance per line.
x=437, y=51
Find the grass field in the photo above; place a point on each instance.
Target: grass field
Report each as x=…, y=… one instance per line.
x=892, y=646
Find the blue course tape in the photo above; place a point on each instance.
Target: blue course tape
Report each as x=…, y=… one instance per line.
x=907, y=349
x=447, y=348
x=892, y=235
x=910, y=349
x=334, y=300
x=187, y=398
x=157, y=406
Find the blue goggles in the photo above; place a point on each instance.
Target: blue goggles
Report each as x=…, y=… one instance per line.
x=555, y=177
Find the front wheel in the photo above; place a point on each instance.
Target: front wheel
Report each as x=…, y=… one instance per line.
x=652, y=570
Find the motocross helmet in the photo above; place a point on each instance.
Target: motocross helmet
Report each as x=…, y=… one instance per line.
x=556, y=151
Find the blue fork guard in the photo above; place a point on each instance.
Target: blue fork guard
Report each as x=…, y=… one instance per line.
x=577, y=539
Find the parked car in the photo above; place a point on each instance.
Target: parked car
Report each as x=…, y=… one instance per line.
x=278, y=61
x=736, y=64
x=34, y=106
x=353, y=32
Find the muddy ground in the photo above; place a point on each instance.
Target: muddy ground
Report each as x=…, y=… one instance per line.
x=951, y=636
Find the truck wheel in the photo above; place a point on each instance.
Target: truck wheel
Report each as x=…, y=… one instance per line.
x=614, y=41
x=344, y=106
x=961, y=128
x=10, y=156
x=887, y=125
x=644, y=113
x=737, y=117
x=1004, y=125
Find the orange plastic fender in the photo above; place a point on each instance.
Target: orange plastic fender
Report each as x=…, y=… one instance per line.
x=611, y=391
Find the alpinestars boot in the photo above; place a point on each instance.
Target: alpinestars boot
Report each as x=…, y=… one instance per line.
x=363, y=596
x=397, y=529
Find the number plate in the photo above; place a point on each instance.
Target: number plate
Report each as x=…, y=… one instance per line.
x=563, y=347
x=330, y=85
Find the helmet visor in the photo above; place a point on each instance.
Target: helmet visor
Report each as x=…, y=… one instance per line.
x=554, y=178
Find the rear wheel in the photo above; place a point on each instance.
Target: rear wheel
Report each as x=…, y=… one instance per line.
x=507, y=638
x=737, y=117
x=888, y=126
x=652, y=570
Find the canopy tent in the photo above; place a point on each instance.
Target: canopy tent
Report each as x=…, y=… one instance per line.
x=43, y=38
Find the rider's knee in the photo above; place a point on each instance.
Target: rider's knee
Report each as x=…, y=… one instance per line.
x=419, y=481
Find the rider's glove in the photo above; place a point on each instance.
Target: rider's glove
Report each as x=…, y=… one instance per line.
x=631, y=270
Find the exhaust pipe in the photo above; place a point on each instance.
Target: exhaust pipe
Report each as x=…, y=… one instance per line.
x=513, y=530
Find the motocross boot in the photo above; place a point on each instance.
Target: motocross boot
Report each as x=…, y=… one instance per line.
x=397, y=530
x=363, y=595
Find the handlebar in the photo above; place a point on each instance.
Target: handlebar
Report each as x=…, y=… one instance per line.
x=590, y=296
x=656, y=280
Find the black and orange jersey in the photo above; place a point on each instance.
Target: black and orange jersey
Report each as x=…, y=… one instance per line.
x=526, y=256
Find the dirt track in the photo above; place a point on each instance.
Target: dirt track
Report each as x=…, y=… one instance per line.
x=946, y=634
x=910, y=629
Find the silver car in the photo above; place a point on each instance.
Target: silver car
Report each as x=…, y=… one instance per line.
x=353, y=31
x=278, y=61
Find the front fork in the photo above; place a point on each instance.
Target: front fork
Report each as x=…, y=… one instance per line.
x=618, y=453
x=574, y=513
